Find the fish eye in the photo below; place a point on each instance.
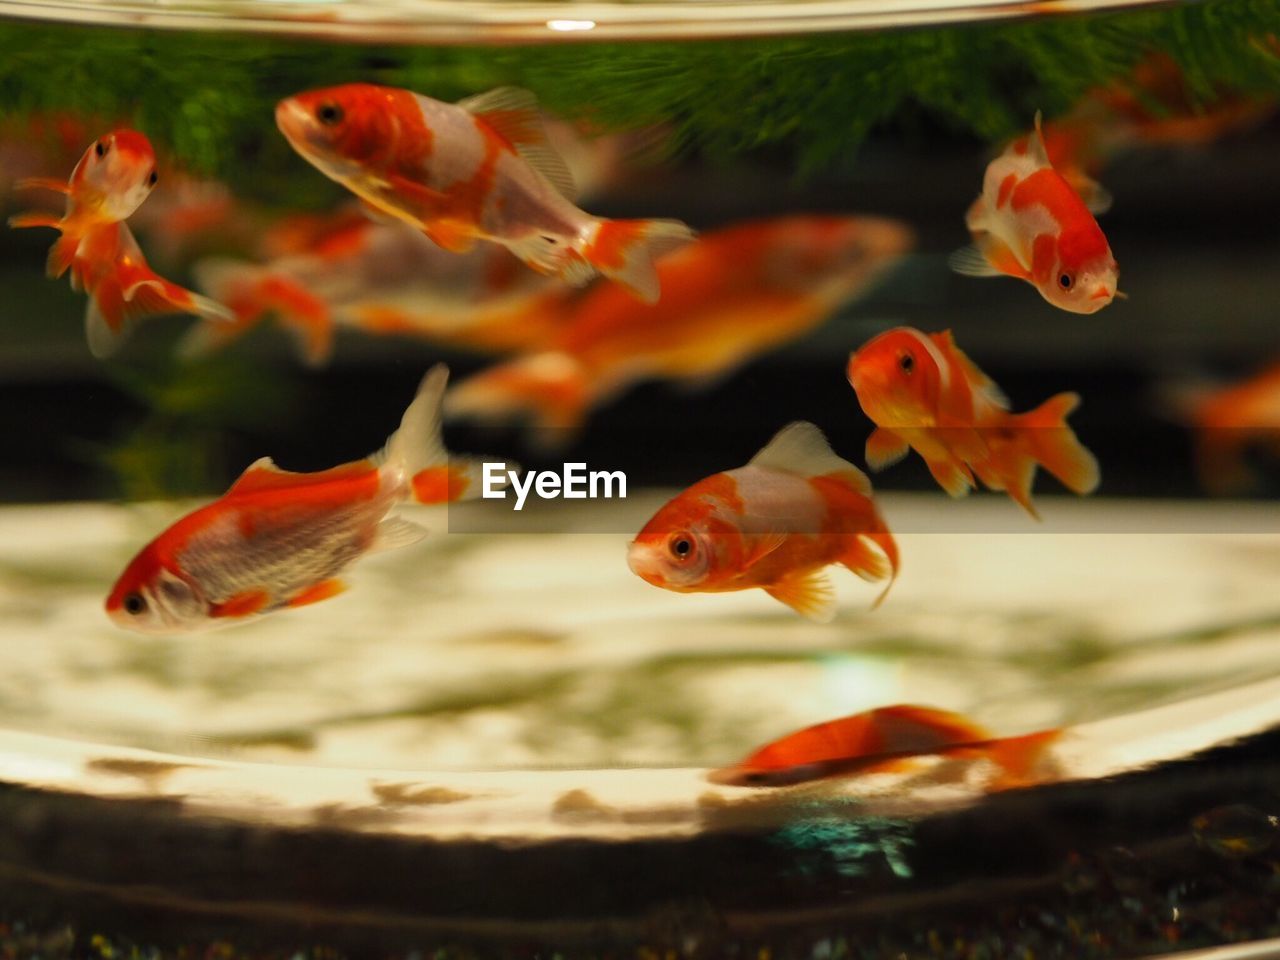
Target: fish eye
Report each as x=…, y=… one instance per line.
x=329, y=114
x=680, y=545
x=134, y=604
x=907, y=363
x=1065, y=281
x=153, y=178
x=100, y=148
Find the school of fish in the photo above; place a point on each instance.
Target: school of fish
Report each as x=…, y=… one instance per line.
x=453, y=204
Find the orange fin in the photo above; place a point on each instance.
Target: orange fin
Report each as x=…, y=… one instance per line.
x=873, y=557
x=450, y=235
x=808, y=594
x=446, y=483
x=800, y=448
x=625, y=251
x=61, y=256
x=317, y=592
x=885, y=448
x=243, y=604
x=952, y=475
x=20, y=221
x=43, y=183
x=1055, y=446
x=513, y=114
x=1022, y=759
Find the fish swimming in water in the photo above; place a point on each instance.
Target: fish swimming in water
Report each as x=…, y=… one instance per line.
x=479, y=169
x=110, y=182
x=1030, y=223
x=888, y=739
x=924, y=394
x=729, y=296
x=278, y=539
x=776, y=524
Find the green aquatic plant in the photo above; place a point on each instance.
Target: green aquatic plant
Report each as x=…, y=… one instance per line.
x=209, y=97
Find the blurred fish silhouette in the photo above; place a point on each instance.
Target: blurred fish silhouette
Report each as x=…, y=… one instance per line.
x=735, y=293
x=892, y=740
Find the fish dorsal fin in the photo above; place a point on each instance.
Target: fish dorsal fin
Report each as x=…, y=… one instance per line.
x=979, y=381
x=800, y=448
x=513, y=114
x=1035, y=146
x=263, y=474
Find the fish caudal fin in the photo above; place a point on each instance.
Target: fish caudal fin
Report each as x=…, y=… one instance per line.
x=625, y=251
x=251, y=292
x=552, y=389
x=1055, y=447
x=114, y=310
x=432, y=474
x=1021, y=761
x=874, y=557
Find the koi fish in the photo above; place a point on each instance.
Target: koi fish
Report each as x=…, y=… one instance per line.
x=380, y=278
x=1228, y=420
x=480, y=169
x=924, y=394
x=775, y=523
x=886, y=740
x=1031, y=224
x=111, y=180
x=730, y=296
x=279, y=539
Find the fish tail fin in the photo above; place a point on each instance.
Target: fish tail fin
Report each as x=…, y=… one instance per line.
x=1020, y=760
x=432, y=474
x=874, y=557
x=127, y=295
x=1054, y=445
x=251, y=291
x=625, y=251
x=552, y=389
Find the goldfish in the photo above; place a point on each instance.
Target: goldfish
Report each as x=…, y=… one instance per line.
x=729, y=296
x=885, y=740
x=278, y=539
x=1229, y=419
x=1030, y=223
x=479, y=169
x=377, y=277
x=110, y=182
x=924, y=394
x=775, y=523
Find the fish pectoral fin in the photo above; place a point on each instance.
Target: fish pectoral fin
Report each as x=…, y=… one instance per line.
x=762, y=546
x=969, y=262
x=43, y=183
x=513, y=114
x=952, y=475
x=20, y=221
x=450, y=235
x=242, y=604
x=885, y=448
x=317, y=592
x=808, y=594
x=395, y=532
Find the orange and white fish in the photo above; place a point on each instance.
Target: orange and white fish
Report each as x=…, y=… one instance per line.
x=731, y=295
x=278, y=539
x=1228, y=420
x=776, y=523
x=923, y=393
x=111, y=180
x=1030, y=223
x=480, y=169
x=380, y=278
x=889, y=739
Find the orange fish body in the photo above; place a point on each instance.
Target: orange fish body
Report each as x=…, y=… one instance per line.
x=480, y=169
x=278, y=539
x=923, y=393
x=775, y=523
x=112, y=179
x=1228, y=420
x=1031, y=224
x=885, y=740
x=731, y=295
x=380, y=278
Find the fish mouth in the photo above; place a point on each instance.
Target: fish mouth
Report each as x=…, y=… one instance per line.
x=645, y=564
x=292, y=120
x=1102, y=293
